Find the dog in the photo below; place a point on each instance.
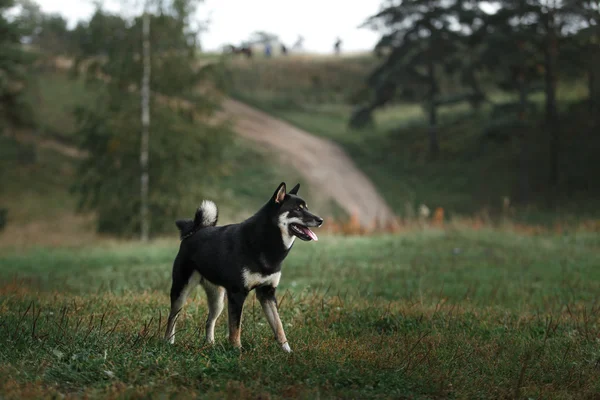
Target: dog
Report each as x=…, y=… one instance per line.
x=231, y=260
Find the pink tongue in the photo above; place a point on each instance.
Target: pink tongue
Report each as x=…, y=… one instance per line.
x=309, y=233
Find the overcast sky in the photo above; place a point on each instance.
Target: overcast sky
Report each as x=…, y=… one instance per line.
x=319, y=21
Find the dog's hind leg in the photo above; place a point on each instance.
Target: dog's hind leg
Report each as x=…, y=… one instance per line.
x=235, y=305
x=268, y=301
x=216, y=301
x=180, y=290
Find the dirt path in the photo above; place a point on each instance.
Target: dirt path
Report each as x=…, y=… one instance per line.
x=323, y=163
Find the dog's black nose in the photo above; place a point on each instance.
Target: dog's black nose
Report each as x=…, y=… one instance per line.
x=319, y=221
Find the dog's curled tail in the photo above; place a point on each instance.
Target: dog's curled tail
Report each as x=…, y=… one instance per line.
x=206, y=215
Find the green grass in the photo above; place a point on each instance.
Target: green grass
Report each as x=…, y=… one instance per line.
x=54, y=97
x=34, y=188
x=299, y=80
x=435, y=314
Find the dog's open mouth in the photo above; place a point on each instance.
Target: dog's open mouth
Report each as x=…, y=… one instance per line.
x=302, y=232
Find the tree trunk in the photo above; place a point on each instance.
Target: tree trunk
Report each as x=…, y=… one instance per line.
x=593, y=81
x=434, y=146
x=591, y=86
x=523, y=161
x=145, y=139
x=522, y=93
x=550, y=55
x=594, y=64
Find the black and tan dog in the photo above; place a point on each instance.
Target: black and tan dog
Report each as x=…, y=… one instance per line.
x=232, y=260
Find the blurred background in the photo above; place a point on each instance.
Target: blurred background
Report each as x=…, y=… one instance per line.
x=117, y=118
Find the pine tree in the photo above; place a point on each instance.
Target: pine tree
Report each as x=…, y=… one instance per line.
x=424, y=39
x=145, y=139
x=524, y=40
x=14, y=60
x=583, y=54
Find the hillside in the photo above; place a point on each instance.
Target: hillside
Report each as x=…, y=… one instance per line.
x=322, y=164
x=37, y=169
x=472, y=175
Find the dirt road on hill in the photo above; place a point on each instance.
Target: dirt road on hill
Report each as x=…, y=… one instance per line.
x=323, y=163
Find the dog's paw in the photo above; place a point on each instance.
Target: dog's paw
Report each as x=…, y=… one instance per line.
x=237, y=346
x=286, y=347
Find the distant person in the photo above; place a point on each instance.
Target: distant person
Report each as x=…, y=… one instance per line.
x=337, y=47
x=284, y=50
x=268, y=50
x=299, y=43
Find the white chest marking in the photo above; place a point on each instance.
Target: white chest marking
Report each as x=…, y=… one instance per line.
x=286, y=237
x=254, y=279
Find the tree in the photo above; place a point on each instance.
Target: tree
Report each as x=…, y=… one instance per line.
x=99, y=35
x=424, y=39
x=549, y=15
x=145, y=139
x=14, y=60
x=183, y=145
x=511, y=57
x=261, y=37
x=29, y=17
x=583, y=56
x=543, y=27
x=52, y=35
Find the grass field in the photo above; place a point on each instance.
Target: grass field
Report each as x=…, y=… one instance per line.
x=431, y=314
x=54, y=95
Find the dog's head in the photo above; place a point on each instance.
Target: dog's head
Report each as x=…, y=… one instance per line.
x=291, y=214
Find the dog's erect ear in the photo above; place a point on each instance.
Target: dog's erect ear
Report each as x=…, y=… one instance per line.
x=295, y=189
x=279, y=194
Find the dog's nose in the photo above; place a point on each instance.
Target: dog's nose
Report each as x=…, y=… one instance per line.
x=319, y=221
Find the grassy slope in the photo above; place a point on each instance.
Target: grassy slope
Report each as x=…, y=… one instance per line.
x=393, y=153
x=36, y=191
x=436, y=314
x=54, y=96
x=36, y=194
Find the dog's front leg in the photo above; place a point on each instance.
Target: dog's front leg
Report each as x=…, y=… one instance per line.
x=235, y=304
x=268, y=301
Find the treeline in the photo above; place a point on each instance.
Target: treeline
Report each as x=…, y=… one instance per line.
x=520, y=47
x=148, y=128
